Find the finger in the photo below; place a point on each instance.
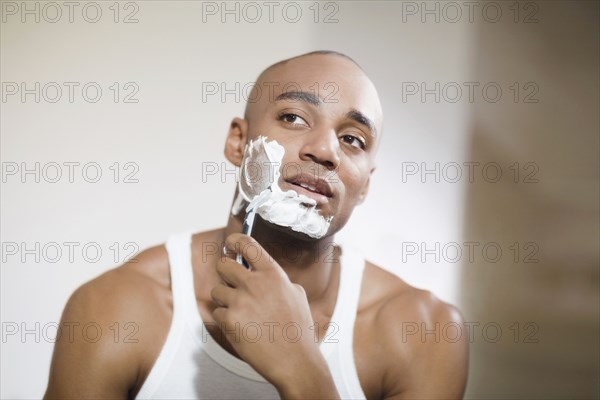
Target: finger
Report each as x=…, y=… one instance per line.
x=231, y=272
x=222, y=295
x=228, y=253
x=252, y=251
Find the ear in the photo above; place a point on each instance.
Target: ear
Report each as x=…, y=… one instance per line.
x=363, y=193
x=236, y=141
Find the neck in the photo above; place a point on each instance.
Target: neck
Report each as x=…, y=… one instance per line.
x=308, y=263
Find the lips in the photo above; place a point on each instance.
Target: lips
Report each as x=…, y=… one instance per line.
x=310, y=186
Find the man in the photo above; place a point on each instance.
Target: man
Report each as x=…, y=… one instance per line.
x=315, y=322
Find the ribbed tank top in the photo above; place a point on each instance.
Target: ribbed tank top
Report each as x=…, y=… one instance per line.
x=192, y=365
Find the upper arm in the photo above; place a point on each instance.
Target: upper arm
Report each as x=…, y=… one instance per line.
x=89, y=360
x=429, y=349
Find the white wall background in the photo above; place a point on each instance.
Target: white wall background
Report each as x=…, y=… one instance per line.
x=172, y=131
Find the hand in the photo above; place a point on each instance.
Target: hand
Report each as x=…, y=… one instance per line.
x=265, y=316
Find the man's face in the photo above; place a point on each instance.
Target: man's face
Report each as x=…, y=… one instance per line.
x=326, y=114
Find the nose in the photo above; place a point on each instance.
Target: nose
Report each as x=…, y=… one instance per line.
x=322, y=147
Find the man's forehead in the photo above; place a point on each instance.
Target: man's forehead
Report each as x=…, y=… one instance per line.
x=325, y=78
x=311, y=69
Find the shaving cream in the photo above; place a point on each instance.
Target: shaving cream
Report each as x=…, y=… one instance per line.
x=288, y=209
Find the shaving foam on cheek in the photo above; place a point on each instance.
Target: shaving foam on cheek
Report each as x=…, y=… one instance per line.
x=259, y=170
x=288, y=209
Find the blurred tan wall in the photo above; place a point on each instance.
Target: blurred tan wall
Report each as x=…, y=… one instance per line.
x=548, y=310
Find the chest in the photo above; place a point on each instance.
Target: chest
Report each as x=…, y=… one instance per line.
x=367, y=361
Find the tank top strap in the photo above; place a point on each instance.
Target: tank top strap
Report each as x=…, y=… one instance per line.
x=337, y=346
x=179, y=254
x=351, y=271
x=180, y=266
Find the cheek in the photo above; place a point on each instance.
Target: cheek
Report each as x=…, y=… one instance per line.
x=349, y=196
x=355, y=176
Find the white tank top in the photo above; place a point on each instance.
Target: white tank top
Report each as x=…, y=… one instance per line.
x=192, y=365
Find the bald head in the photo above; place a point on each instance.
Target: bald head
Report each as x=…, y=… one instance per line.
x=312, y=53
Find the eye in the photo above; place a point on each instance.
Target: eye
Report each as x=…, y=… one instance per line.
x=292, y=119
x=354, y=141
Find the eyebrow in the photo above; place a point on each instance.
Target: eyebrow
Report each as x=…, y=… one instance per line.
x=303, y=96
x=315, y=100
x=362, y=119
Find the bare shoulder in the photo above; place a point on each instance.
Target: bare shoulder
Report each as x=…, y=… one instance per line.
x=123, y=292
x=424, y=346
x=107, y=327
x=396, y=297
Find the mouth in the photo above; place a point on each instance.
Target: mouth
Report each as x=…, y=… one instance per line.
x=311, y=187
